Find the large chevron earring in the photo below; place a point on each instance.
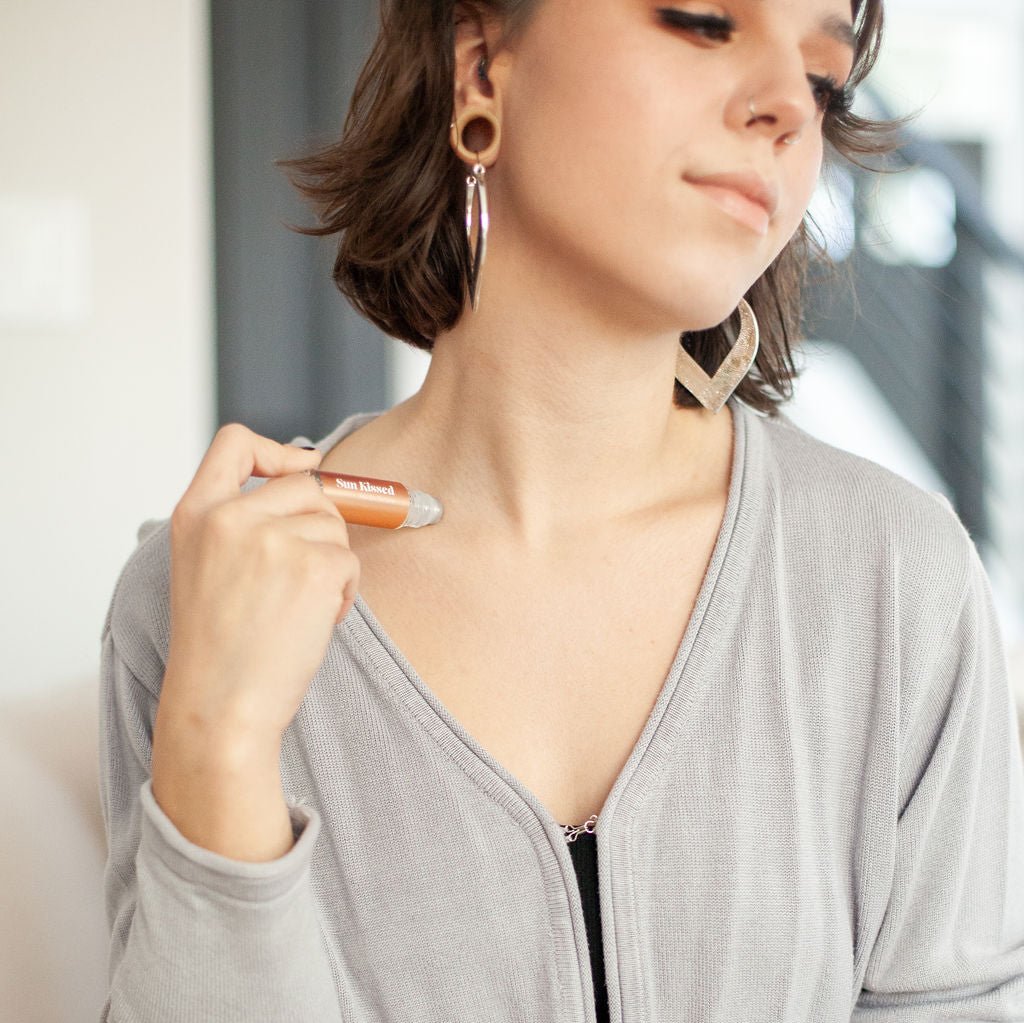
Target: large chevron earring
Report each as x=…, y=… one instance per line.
x=713, y=392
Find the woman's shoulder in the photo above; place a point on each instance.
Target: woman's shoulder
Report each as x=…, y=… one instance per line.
x=849, y=505
x=808, y=469
x=138, y=617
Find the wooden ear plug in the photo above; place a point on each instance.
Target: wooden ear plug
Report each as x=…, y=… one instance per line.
x=486, y=156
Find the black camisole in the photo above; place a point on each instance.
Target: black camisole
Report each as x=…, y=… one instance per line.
x=583, y=850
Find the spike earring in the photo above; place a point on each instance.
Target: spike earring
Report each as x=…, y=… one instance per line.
x=476, y=185
x=713, y=392
x=476, y=188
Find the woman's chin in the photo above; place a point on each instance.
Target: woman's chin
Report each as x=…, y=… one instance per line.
x=698, y=301
x=709, y=312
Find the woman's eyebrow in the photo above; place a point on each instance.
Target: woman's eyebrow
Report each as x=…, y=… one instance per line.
x=842, y=31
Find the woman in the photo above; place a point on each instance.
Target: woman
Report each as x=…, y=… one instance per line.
x=755, y=679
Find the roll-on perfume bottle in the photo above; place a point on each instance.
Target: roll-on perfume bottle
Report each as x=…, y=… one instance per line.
x=365, y=501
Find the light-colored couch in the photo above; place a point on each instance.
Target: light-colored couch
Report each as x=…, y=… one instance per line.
x=53, y=932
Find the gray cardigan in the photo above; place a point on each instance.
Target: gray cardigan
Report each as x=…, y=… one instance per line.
x=823, y=819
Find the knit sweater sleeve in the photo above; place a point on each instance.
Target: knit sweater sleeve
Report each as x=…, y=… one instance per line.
x=194, y=935
x=951, y=943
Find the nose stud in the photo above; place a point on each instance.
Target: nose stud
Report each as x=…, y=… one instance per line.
x=788, y=139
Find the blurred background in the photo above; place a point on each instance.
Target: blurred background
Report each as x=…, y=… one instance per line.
x=150, y=291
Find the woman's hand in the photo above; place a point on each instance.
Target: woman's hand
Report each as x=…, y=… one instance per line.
x=258, y=583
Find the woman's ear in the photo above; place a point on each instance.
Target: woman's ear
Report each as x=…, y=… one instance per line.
x=479, y=68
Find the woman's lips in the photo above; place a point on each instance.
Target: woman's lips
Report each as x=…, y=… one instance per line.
x=754, y=211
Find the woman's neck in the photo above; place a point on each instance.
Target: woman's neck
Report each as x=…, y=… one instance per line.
x=536, y=426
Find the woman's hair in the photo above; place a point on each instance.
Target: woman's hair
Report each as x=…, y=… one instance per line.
x=394, y=190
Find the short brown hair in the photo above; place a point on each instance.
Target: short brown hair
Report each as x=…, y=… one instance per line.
x=393, y=189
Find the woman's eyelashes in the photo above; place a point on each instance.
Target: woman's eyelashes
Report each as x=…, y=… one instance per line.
x=830, y=96
x=710, y=25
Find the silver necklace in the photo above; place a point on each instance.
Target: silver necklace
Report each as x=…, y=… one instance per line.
x=572, y=831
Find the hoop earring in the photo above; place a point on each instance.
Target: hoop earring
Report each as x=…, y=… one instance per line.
x=476, y=188
x=713, y=392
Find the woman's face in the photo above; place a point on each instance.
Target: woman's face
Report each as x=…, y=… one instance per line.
x=611, y=112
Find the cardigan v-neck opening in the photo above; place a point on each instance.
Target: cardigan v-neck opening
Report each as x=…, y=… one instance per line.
x=371, y=636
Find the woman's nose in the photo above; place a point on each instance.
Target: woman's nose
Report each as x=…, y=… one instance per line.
x=779, y=101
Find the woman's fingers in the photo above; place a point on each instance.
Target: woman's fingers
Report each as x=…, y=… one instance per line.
x=293, y=494
x=348, y=595
x=318, y=527
x=235, y=454
x=258, y=581
x=348, y=572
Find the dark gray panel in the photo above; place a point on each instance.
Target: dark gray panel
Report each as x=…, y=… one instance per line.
x=293, y=357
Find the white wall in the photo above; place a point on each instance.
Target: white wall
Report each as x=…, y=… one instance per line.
x=107, y=386
x=106, y=406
